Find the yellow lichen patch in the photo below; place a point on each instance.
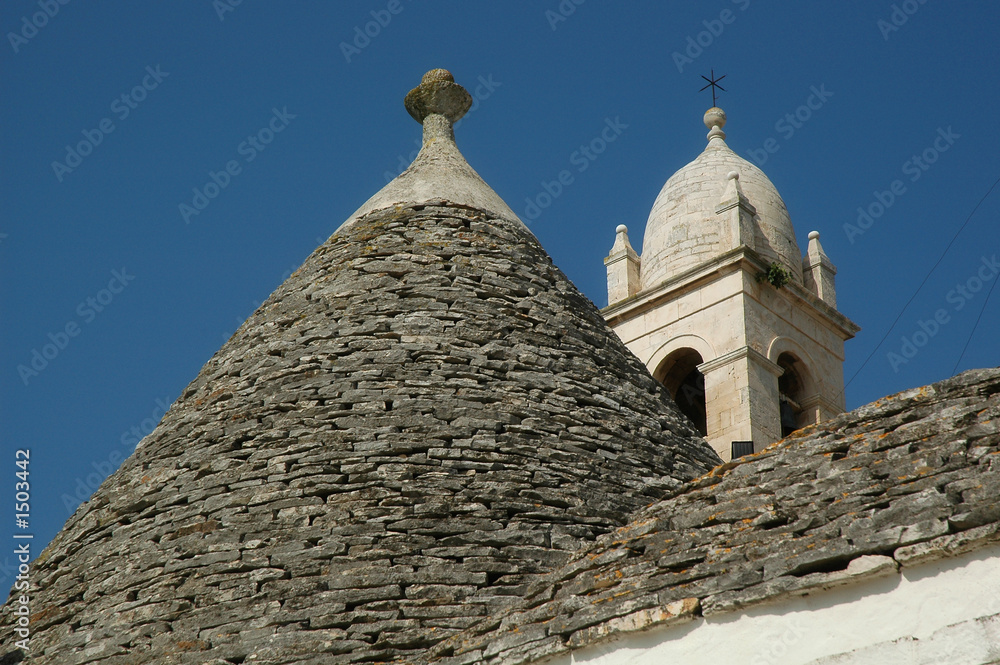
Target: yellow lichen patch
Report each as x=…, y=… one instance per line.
x=191, y=645
x=615, y=596
x=601, y=582
x=207, y=526
x=44, y=614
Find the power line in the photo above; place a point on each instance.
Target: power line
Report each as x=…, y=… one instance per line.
x=964, y=348
x=933, y=268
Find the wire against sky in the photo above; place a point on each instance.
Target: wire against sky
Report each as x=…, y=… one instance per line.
x=921, y=286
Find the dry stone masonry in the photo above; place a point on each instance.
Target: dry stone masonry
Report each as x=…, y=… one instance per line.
x=422, y=419
x=906, y=479
x=428, y=447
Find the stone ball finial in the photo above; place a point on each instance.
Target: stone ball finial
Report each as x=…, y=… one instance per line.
x=438, y=93
x=621, y=228
x=437, y=75
x=814, y=235
x=715, y=117
x=733, y=175
x=715, y=120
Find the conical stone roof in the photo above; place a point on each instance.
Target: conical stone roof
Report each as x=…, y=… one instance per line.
x=424, y=417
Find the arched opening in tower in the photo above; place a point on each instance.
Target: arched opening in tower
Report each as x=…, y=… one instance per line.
x=679, y=374
x=791, y=389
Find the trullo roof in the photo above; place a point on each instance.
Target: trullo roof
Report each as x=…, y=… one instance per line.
x=424, y=416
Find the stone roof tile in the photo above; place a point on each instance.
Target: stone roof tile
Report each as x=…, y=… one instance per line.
x=906, y=479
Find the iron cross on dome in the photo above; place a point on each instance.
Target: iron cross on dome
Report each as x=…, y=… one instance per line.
x=713, y=83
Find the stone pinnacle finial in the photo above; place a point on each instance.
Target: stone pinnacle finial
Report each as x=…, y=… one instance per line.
x=439, y=172
x=438, y=93
x=715, y=120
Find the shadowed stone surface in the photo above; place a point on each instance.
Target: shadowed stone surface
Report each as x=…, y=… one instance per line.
x=426, y=415
x=901, y=481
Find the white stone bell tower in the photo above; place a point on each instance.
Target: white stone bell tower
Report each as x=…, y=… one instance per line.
x=723, y=309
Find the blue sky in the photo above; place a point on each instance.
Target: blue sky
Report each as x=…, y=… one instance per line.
x=115, y=113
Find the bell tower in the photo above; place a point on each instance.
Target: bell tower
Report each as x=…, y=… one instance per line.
x=723, y=308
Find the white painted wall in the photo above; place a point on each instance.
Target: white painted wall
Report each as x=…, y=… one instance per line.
x=942, y=613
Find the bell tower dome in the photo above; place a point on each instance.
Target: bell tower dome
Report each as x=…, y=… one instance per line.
x=682, y=232
x=723, y=309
